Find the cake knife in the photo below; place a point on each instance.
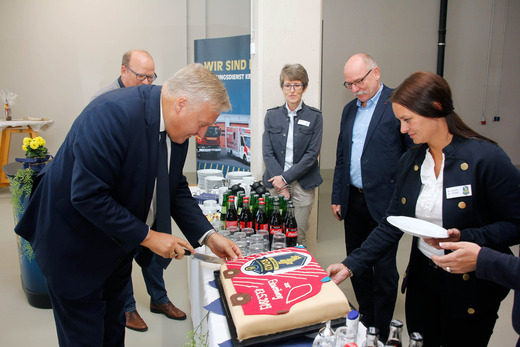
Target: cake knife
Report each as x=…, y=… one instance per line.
x=205, y=257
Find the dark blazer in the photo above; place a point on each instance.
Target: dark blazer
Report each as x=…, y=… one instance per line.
x=308, y=130
x=489, y=217
x=384, y=145
x=503, y=269
x=88, y=212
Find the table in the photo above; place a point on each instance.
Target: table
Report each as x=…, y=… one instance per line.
x=27, y=125
x=202, y=294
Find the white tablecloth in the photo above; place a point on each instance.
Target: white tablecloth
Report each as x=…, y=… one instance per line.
x=202, y=294
x=36, y=125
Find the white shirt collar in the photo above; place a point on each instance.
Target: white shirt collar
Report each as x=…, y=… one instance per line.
x=297, y=108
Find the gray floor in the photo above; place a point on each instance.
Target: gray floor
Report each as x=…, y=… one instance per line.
x=23, y=325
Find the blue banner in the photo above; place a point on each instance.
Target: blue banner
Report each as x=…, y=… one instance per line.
x=228, y=141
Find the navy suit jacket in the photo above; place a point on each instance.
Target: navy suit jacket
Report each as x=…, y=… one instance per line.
x=88, y=212
x=489, y=216
x=503, y=269
x=384, y=145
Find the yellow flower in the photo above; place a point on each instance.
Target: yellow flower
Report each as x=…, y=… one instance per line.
x=34, y=145
x=39, y=140
x=24, y=147
x=26, y=141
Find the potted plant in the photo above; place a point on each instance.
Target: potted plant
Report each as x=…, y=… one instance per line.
x=21, y=185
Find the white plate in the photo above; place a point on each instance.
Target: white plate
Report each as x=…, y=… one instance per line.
x=418, y=227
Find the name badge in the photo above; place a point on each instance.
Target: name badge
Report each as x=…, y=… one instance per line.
x=304, y=122
x=459, y=191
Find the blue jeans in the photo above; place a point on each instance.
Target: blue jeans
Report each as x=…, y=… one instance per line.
x=154, y=281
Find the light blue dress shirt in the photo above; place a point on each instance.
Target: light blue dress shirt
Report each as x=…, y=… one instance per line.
x=359, y=134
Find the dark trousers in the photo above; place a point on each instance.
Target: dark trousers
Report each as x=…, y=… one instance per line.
x=376, y=291
x=429, y=302
x=154, y=281
x=97, y=319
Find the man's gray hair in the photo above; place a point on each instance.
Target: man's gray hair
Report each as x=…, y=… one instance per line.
x=199, y=85
x=369, y=61
x=128, y=56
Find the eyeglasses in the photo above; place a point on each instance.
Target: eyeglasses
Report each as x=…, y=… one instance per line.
x=142, y=77
x=357, y=83
x=289, y=86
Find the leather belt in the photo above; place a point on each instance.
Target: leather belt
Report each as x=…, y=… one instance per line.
x=356, y=189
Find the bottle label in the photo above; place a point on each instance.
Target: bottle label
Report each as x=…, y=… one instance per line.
x=275, y=229
x=291, y=232
x=231, y=223
x=246, y=225
x=263, y=226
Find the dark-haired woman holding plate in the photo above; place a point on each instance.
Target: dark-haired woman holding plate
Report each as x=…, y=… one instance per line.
x=461, y=181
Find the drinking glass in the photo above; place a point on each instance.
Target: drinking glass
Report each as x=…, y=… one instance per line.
x=341, y=336
x=243, y=247
x=232, y=229
x=277, y=245
x=279, y=238
x=240, y=236
x=256, y=247
x=248, y=231
x=225, y=233
x=325, y=337
x=265, y=234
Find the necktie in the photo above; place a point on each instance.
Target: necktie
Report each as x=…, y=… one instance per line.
x=290, y=144
x=162, y=192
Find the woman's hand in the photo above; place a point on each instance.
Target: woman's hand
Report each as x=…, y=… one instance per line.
x=463, y=258
x=453, y=236
x=278, y=183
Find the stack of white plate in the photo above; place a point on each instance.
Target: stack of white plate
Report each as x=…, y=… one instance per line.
x=202, y=174
x=236, y=177
x=213, y=182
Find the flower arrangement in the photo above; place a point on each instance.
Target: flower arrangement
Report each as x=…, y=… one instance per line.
x=34, y=148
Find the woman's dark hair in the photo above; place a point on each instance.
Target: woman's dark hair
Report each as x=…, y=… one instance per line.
x=429, y=95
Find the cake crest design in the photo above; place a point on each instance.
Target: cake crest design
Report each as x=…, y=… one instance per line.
x=275, y=281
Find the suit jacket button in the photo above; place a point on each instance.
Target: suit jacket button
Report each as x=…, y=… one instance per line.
x=462, y=205
x=471, y=310
x=403, y=200
x=464, y=166
x=465, y=277
x=416, y=168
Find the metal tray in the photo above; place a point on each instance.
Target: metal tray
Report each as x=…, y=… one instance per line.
x=280, y=337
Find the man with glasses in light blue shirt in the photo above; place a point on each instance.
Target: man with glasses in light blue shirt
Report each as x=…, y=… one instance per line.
x=369, y=147
x=137, y=68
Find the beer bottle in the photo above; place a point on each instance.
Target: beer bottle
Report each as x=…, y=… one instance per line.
x=276, y=222
x=253, y=204
x=416, y=340
x=372, y=337
x=231, y=215
x=223, y=209
x=246, y=219
x=291, y=227
x=261, y=221
x=239, y=200
x=268, y=205
x=394, y=338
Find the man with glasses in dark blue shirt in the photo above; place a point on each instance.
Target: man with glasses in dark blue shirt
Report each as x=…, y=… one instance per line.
x=138, y=68
x=369, y=147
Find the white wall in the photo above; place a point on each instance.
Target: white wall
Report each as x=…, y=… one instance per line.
x=402, y=36
x=57, y=53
